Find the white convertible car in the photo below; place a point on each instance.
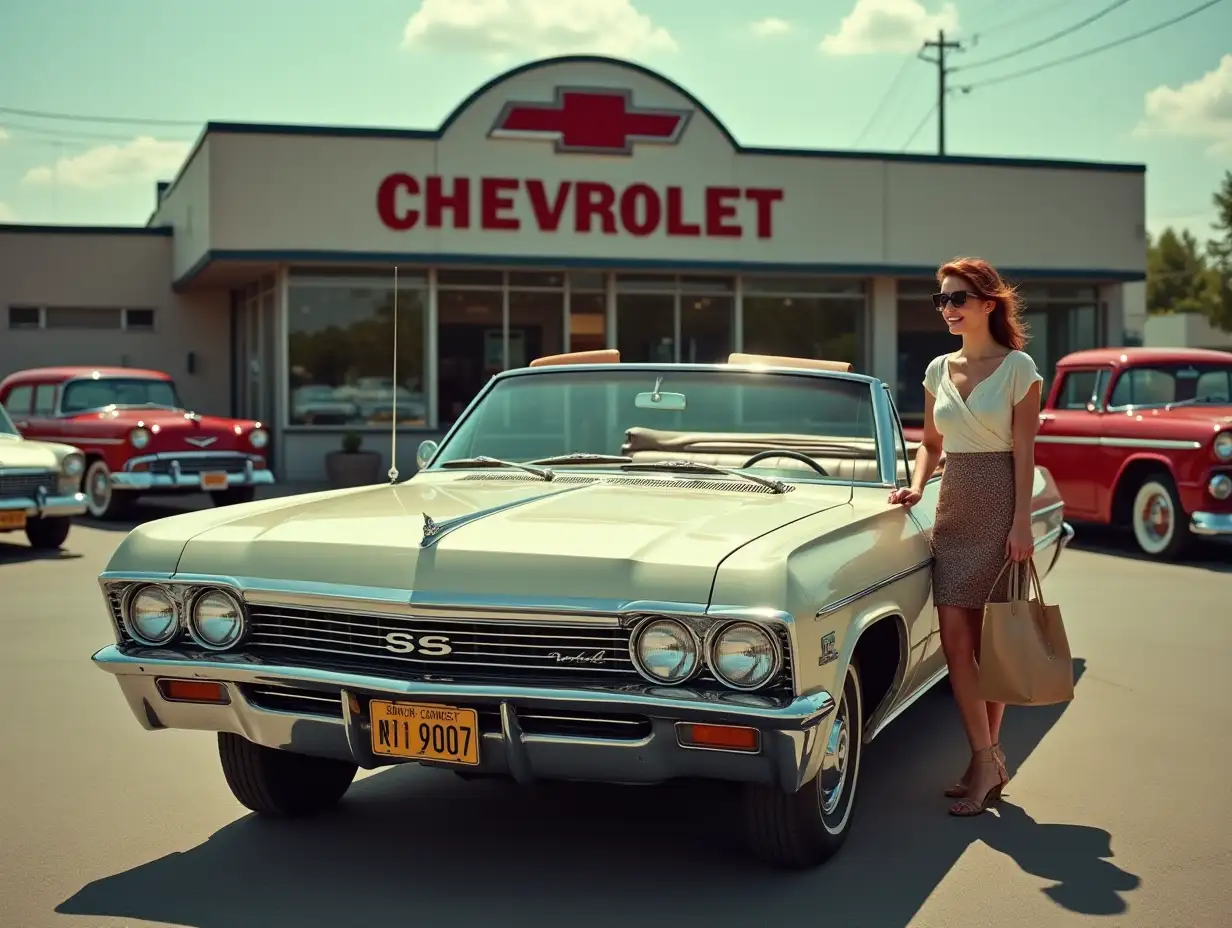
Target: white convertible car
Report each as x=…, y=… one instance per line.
x=616, y=572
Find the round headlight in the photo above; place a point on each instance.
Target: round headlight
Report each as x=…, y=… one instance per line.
x=73, y=465
x=1220, y=486
x=139, y=437
x=151, y=616
x=744, y=656
x=259, y=438
x=1223, y=446
x=665, y=651
x=217, y=620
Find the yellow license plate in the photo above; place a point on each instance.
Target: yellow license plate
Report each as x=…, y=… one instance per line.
x=214, y=481
x=422, y=732
x=10, y=520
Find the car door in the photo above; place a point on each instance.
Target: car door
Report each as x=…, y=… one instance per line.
x=1068, y=440
x=44, y=426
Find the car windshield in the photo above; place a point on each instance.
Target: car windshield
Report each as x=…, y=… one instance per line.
x=83, y=395
x=1170, y=384
x=715, y=417
x=6, y=424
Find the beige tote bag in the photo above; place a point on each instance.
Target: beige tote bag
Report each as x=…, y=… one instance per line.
x=1024, y=651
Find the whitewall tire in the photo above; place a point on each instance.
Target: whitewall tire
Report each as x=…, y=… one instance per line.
x=806, y=828
x=1160, y=525
x=102, y=499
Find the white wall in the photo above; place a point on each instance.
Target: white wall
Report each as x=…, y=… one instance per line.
x=185, y=207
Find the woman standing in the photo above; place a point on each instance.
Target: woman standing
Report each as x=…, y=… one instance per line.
x=982, y=406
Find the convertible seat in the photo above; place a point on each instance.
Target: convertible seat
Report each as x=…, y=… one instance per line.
x=732, y=449
x=779, y=360
x=603, y=356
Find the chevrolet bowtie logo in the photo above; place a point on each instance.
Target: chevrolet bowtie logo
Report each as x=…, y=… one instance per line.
x=201, y=442
x=597, y=121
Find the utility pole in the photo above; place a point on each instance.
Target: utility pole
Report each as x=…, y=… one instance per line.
x=941, y=45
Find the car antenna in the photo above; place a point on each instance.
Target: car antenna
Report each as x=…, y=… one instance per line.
x=393, y=428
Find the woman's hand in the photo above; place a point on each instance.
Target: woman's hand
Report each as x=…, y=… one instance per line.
x=1019, y=546
x=905, y=496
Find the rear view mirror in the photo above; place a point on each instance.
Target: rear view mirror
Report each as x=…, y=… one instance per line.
x=659, y=400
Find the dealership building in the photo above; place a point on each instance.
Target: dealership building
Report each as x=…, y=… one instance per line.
x=569, y=204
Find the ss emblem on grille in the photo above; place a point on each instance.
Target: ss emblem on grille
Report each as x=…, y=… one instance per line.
x=406, y=643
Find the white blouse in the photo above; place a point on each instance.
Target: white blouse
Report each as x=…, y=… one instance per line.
x=985, y=422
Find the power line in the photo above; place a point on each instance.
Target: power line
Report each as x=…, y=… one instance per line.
x=1031, y=14
x=20, y=129
x=77, y=117
x=1091, y=51
x=884, y=100
x=1068, y=30
x=923, y=123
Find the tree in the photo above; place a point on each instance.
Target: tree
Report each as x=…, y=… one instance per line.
x=1178, y=278
x=1220, y=251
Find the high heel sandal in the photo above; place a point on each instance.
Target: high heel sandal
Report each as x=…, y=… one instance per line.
x=967, y=806
x=959, y=789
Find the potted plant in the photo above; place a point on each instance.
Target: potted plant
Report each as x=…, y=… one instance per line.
x=352, y=467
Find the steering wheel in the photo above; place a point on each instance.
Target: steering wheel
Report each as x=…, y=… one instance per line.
x=785, y=453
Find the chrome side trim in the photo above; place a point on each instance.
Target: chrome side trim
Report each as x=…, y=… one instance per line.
x=839, y=604
x=906, y=704
x=1161, y=444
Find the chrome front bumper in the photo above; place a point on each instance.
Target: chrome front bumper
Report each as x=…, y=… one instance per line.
x=792, y=739
x=1211, y=524
x=45, y=507
x=249, y=476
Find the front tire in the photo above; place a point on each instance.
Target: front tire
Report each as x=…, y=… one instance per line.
x=280, y=783
x=48, y=534
x=1160, y=525
x=806, y=828
x=103, y=501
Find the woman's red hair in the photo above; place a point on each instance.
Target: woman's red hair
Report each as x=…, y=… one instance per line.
x=1005, y=321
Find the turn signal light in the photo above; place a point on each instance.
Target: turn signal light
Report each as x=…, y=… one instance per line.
x=719, y=737
x=194, y=691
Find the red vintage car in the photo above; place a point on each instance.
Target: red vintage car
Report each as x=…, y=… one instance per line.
x=1142, y=438
x=137, y=436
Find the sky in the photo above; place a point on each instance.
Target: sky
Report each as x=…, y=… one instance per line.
x=140, y=78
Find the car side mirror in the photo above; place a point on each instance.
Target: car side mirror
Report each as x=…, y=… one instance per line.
x=423, y=454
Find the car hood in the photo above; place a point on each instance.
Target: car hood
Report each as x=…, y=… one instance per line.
x=17, y=452
x=175, y=419
x=1220, y=416
x=557, y=540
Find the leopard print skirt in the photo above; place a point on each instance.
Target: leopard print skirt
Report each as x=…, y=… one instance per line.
x=975, y=512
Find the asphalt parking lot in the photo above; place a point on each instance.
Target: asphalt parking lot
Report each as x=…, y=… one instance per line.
x=1118, y=810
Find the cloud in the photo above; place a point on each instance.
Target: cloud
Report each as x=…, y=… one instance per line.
x=541, y=27
x=6, y=213
x=888, y=26
x=770, y=27
x=1201, y=109
x=142, y=160
x=4, y=136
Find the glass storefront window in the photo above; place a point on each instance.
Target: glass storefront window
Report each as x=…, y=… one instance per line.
x=707, y=327
x=470, y=346
x=827, y=328
x=340, y=351
x=536, y=325
x=646, y=326
x=587, y=321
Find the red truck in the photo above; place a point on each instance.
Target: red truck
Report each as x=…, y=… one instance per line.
x=137, y=436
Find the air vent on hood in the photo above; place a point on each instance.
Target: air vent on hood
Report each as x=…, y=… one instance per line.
x=672, y=483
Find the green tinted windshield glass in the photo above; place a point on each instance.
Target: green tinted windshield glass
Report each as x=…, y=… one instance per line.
x=729, y=413
x=6, y=424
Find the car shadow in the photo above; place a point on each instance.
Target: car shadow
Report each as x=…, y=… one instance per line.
x=17, y=553
x=147, y=511
x=1213, y=554
x=423, y=844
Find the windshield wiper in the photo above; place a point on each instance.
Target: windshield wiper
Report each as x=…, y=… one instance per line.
x=778, y=486
x=484, y=461
x=585, y=457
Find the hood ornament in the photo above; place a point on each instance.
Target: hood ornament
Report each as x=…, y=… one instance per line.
x=430, y=528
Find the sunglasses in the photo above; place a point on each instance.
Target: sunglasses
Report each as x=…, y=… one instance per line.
x=957, y=299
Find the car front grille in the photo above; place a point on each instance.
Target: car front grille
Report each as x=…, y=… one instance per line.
x=190, y=464
x=26, y=483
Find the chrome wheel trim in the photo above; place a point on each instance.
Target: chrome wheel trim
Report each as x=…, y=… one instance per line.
x=1154, y=517
x=837, y=779
x=98, y=489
